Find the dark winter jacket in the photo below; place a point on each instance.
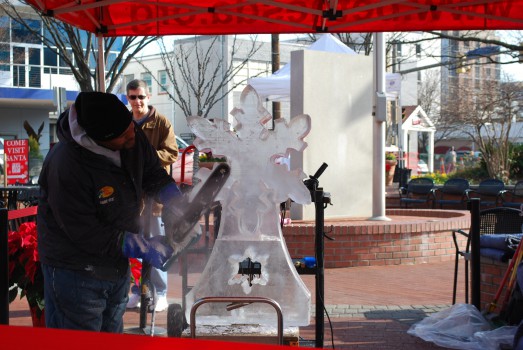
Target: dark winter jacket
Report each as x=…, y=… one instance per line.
x=86, y=201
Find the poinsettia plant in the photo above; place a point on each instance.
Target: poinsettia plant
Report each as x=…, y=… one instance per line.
x=136, y=270
x=25, y=274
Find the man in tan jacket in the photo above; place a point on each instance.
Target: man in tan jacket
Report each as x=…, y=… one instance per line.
x=160, y=134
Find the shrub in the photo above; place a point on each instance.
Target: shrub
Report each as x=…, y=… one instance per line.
x=516, y=164
x=474, y=174
x=34, y=148
x=390, y=156
x=438, y=177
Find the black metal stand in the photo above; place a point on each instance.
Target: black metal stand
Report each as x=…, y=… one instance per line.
x=320, y=199
x=475, y=264
x=147, y=293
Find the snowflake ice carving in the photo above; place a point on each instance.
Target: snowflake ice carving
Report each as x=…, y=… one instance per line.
x=257, y=183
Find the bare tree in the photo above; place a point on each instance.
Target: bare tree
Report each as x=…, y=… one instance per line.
x=486, y=114
x=200, y=73
x=510, y=45
x=429, y=94
x=78, y=49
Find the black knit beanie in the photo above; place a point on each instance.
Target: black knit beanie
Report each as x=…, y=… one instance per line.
x=103, y=116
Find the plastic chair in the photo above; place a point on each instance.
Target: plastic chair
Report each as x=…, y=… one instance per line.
x=454, y=192
x=493, y=221
x=513, y=198
x=418, y=191
x=489, y=192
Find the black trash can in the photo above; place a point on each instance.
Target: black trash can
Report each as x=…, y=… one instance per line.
x=402, y=175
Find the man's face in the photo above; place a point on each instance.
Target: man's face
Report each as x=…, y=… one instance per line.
x=139, y=101
x=124, y=141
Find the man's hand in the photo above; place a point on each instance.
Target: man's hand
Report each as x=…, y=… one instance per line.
x=153, y=251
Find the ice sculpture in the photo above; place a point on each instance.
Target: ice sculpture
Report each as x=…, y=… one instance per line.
x=250, y=230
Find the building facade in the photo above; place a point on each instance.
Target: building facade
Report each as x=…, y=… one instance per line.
x=35, y=84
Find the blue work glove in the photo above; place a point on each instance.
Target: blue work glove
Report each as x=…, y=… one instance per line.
x=154, y=251
x=169, y=193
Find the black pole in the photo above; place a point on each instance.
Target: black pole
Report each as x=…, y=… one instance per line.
x=320, y=212
x=145, y=294
x=4, y=268
x=475, y=267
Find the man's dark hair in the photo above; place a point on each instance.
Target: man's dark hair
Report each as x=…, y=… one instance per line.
x=137, y=83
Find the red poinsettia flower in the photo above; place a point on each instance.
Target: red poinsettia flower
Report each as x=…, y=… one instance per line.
x=24, y=265
x=136, y=270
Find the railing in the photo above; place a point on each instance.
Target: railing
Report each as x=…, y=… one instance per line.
x=37, y=76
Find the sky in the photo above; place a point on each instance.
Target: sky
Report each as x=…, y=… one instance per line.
x=514, y=70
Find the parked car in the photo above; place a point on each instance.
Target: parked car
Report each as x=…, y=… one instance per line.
x=422, y=167
x=468, y=158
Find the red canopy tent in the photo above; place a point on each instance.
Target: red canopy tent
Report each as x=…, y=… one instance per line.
x=221, y=17
x=213, y=17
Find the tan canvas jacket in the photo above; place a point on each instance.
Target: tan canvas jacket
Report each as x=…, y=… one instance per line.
x=160, y=134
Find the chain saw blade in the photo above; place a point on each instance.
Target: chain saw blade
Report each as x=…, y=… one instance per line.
x=181, y=236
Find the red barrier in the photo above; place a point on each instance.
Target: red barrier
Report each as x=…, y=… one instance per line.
x=20, y=213
x=16, y=337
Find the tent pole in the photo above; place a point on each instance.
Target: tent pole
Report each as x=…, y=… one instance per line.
x=101, y=63
x=380, y=117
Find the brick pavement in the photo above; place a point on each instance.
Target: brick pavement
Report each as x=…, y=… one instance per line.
x=369, y=307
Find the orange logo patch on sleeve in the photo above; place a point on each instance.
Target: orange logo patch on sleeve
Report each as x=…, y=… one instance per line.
x=105, y=192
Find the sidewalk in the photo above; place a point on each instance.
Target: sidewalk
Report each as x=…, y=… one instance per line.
x=369, y=307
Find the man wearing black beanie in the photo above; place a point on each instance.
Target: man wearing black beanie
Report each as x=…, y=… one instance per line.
x=88, y=215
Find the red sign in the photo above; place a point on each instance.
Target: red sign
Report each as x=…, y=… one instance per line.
x=17, y=159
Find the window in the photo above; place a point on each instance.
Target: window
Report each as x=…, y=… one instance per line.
x=398, y=49
x=149, y=80
x=35, y=66
x=5, y=51
x=50, y=61
x=66, y=69
x=4, y=29
x=111, y=59
x=126, y=80
x=164, y=84
x=22, y=35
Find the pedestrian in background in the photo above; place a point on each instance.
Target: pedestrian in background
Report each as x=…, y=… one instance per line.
x=160, y=134
x=450, y=160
